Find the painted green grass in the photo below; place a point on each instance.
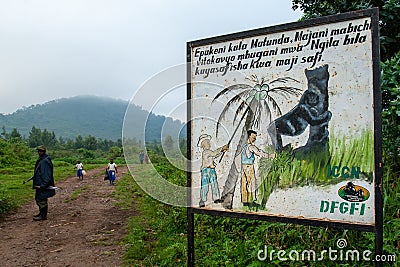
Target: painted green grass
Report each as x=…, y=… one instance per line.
x=355, y=151
x=287, y=171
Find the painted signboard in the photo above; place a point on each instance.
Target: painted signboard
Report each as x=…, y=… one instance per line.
x=282, y=121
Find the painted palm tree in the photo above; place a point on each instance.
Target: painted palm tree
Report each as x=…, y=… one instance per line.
x=253, y=102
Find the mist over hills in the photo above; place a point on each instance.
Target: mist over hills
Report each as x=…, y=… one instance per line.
x=101, y=117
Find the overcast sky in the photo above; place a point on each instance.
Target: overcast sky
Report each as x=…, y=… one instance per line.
x=52, y=49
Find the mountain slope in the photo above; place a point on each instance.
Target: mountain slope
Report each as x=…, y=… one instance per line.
x=87, y=115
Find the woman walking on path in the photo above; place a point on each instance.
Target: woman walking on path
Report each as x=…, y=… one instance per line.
x=79, y=172
x=112, y=170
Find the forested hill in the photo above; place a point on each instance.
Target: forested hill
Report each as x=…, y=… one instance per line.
x=86, y=115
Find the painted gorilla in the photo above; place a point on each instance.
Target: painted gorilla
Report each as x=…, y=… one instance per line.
x=312, y=110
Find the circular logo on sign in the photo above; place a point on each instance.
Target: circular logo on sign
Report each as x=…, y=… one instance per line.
x=353, y=193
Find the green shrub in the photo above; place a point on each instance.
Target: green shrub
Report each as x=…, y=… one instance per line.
x=13, y=153
x=7, y=203
x=391, y=112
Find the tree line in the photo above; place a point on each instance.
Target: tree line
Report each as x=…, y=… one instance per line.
x=16, y=149
x=48, y=138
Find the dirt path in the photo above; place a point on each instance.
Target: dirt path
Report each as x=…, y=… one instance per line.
x=78, y=232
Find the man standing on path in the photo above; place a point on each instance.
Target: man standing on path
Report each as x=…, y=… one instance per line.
x=42, y=180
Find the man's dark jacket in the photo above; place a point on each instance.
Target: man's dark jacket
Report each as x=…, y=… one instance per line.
x=43, y=177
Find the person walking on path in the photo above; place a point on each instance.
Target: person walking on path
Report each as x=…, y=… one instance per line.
x=79, y=172
x=43, y=180
x=112, y=171
x=141, y=157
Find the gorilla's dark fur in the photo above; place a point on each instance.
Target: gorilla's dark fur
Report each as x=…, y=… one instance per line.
x=312, y=110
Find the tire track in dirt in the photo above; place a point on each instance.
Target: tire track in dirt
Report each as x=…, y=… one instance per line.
x=85, y=231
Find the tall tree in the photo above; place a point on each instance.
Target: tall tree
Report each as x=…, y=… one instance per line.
x=168, y=142
x=79, y=141
x=90, y=142
x=39, y=137
x=4, y=133
x=35, y=136
x=15, y=134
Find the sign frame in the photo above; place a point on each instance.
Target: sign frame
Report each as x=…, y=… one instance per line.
x=377, y=228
